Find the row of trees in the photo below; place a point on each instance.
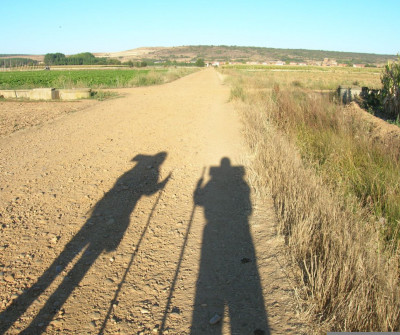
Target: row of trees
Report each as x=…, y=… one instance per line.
x=85, y=58
x=16, y=62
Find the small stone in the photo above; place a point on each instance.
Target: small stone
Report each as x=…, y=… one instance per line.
x=56, y=323
x=96, y=315
x=8, y=278
x=144, y=311
x=215, y=319
x=245, y=260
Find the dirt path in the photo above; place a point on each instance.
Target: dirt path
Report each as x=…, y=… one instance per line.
x=107, y=227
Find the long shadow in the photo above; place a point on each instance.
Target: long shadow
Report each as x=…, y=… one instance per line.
x=228, y=279
x=103, y=231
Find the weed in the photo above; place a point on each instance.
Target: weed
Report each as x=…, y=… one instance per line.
x=237, y=92
x=395, y=122
x=297, y=83
x=103, y=95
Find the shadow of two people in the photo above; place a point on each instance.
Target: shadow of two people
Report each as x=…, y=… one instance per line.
x=228, y=274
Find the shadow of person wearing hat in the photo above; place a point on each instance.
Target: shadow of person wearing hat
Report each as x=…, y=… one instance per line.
x=102, y=232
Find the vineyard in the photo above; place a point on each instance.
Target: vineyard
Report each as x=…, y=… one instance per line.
x=87, y=78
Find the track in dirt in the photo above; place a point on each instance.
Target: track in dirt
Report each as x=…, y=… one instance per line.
x=134, y=216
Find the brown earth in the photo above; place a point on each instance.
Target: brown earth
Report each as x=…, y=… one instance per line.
x=379, y=130
x=107, y=225
x=18, y=115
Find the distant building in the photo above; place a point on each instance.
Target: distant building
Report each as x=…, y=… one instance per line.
x=358, y=65
x=279, y=62
x=329, y=62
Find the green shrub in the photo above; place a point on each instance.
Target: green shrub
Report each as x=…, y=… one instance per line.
x=200, y=62
x=391, y=89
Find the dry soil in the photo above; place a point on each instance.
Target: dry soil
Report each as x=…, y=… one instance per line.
x=135, y=216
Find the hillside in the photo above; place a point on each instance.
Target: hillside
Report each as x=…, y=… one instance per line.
x=225, y=53
x=244, y=54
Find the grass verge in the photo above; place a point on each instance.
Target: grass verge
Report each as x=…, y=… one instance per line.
x=336, y=194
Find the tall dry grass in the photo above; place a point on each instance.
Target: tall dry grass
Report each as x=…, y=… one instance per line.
x=340, y=147
x=328, y=79
x=348, y=274
x=154, y=77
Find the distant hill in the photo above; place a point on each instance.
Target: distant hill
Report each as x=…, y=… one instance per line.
x=224, y=53
x=245, y=54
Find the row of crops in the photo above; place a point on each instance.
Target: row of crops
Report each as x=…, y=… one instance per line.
x=79, y=78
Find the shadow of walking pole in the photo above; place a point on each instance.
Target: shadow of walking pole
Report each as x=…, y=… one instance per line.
x=172, y=289
x=115, y=299
x=102, y=232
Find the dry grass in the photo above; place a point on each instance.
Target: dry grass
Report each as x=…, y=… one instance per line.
x=156, y=77
x=316, y=80
x=348, y=273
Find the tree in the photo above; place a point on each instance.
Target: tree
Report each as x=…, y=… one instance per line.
x=55, y=59
x=391, y=89
x=200, y=62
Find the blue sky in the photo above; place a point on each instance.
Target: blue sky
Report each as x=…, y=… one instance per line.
x=72, y=26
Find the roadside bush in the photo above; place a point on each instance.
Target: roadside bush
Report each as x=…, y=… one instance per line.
x=391, y=89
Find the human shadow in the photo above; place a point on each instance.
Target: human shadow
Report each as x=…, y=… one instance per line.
x=228, y=277
x=103, y=231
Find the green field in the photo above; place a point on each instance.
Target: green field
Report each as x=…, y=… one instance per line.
x=89, y=78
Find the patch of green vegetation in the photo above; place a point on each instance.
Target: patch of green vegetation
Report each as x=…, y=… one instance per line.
x=107, y=78
x=84, y=58
x=103, y=95
x=70, y=79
